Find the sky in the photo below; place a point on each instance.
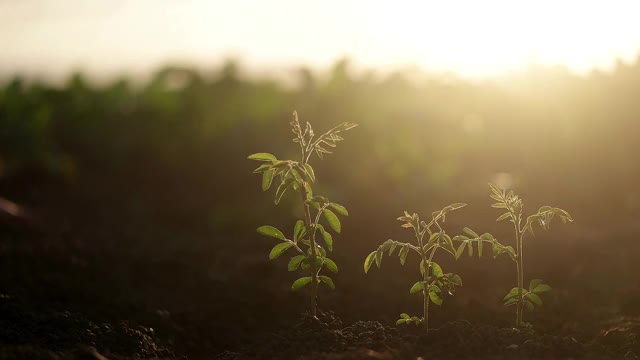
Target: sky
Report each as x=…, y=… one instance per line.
x=470, y=38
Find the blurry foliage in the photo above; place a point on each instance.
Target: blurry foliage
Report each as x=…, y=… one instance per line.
x=174, y=142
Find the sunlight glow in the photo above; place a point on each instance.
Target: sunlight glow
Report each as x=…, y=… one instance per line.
x=472, y=38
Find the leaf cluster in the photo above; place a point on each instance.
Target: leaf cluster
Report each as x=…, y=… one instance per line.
x=530, y=297
x=300, y=176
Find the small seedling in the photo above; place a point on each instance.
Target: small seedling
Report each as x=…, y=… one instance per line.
x=429, y=238
x=299, y=177
x=513, y=205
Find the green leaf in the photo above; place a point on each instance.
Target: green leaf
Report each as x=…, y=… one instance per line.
x=512, y=293
x=435, y=295
x=533, y=283
x=379, y=254
x=470, y=232
x=405, y=316
x=455, y=278
x=416, y=287
x=511, y=301
x=262, y=168
x=528, y=305
x=470, y=248
x=261, y=157
x=436, y=270
x=327, y=280
x=339, y=209
x=401, y=321
x=541, y=288
x=331, y=265
x=300, y=283
x=295, y=262
x=535, y=299
x=267, y=178
x=369, y=261
x=326, y=236
x=310, y=172
x=403, y=254
x=332, y=219
x=460, y=249
x=480, y=245
x=503, y=216
x=299, y=230
x=455, y=206
x=270, y=231
x=392, y=247
x=282, y=188
x=279, y=249
x=422, y=267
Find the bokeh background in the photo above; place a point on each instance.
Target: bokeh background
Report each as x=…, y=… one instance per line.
x=126, y=192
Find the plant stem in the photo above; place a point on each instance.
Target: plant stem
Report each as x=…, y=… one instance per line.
x=519, y=304
x=312, y=260
x=425, y=290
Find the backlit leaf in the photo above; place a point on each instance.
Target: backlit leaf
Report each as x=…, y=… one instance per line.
x=270, y=231
x=279, y=249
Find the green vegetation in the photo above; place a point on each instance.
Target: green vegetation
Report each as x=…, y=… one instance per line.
x=299, y=177
x=429, y=237
x=520, y=296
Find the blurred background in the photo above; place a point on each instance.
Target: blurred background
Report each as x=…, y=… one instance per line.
x=125, y=193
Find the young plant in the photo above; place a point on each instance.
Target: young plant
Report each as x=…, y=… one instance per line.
x=520, y=296
x=299, y=176
x=429, y=237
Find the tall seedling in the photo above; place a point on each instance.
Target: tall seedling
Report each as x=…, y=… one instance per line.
x=520, y=296
x=429, y=238
x=299, y=176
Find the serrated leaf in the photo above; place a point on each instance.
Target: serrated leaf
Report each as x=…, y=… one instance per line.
x=331, y=265
x=327, y=280
x=339, y=209
x=262, y=157
x=270, y=231
x=279, y=249
x=332, y=219
x=416, y=287
x=294, y=263
x=299, y=230
x=300, y=283
x=369, y=261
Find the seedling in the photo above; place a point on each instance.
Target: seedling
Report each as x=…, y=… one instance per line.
x=519, y=296
x=299, y=176
x=429, y=237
